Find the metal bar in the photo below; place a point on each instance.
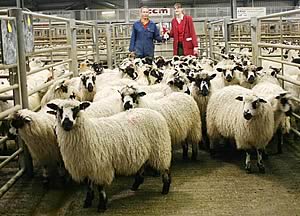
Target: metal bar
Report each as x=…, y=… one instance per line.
x=21, y=54
x=240, y=42
x=85, y=55
x=239, y=21
x=10, y=183
x=3, y=67
x=5, y=89
x=3, y=140
x=45, y=85
x=296, y=99
x=86, y=44
x=84, y=23
x=71, y=38
x=7, y=18
x=278, y=61
x=295, y=131
x=280, y=14
x=10, y=158
x=215, y=22
x=49, y=50
x=46, y=16
x=96, y=42
x=109, y=46
x=9, y=111
x=48, y=66
x=288, y=79
x=296, y=116
x=283, y=46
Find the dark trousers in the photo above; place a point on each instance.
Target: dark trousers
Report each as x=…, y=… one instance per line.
x=180, y=49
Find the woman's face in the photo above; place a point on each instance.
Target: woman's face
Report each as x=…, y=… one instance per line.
x=178, y=10
x=145, y=13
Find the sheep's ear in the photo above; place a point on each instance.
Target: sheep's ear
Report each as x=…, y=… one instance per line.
x=281, y=95
x=51, y=112
x=83, y=77
x=219, y=69
x=84, y=105
x=259, y=68
x=191, y=79
x=146, y=72
x=212, y=76
x=141, y=94
x=240, y=98
x=262, y=100
x=52, y=106
x=238, y=68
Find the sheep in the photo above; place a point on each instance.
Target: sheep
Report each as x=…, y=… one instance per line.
x=250, y=122
x=201, y=91
x=184, y=124
x=118, y=145
x=61, y=89
x=36, y=129
x=281, y=104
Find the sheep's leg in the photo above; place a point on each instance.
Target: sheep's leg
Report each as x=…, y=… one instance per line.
x=212, y=150
x=89, y=195
x=166, y=178
x=139, y=178
x=45, y=175
x=102, y=206
x=279, y=141
x=260, y=163
x=194, y=151
x=185, y=149
x=248, y=162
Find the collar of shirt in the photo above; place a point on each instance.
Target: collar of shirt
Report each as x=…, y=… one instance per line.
x=180, y=18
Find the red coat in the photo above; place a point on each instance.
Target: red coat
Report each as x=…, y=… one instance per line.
x=189, y=37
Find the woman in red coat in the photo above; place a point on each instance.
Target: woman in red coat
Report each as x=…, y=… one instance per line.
x=183, y=32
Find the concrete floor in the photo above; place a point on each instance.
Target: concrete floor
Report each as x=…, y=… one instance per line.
x=205, y=187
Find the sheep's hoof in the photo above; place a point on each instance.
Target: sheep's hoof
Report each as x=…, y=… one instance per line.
x=88, y=200
x=46, y=183
x=261, y=168
x=194, y=156
x=248, y=168
x=166, y=183
x=102, y=207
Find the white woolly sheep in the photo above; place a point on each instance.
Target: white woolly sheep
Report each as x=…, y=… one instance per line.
x=184, y=124
x=37, y=131
x=118, y=145
x=250, y=122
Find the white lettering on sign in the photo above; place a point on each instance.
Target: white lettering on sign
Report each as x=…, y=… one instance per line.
x=248, y=12
x=159, y=11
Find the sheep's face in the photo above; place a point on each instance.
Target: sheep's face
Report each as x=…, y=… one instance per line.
x=89, y=81
x=19, y=121
x=98, y=68
x=250, y=72
x=180, y=82
x=228, y=71
x=67, y=113
x=251, y=105
x=154, y=75
x=160, y=62
x=284, y=104
x=130, y=97
x=202, y=83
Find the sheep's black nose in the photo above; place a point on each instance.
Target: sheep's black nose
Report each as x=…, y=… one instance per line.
x=127, y=105
x=228, y=78
x=251, y=79
x=90, y=87
x=247, y=115
x=67, y=124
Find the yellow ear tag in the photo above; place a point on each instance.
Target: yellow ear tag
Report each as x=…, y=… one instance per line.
x=9, y=28
x=28, y=21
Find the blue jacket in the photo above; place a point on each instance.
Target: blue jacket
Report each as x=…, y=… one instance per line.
x=141, y=41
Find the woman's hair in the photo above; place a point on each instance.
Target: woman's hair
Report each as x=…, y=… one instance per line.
x=177, y=5
x=141, y=8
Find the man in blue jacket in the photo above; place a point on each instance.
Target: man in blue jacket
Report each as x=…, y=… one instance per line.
x=144, y=31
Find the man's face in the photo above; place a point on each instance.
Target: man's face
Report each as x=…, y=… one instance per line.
x=145, y=13
x=178, y=10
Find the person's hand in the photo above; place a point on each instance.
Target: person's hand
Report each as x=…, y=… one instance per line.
x=196, y=52
x=132, y=55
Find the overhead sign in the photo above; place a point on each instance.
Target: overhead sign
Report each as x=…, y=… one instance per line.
x=248, y=12
x=159, y=11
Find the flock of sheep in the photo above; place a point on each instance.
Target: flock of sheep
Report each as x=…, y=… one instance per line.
x=116, y=122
